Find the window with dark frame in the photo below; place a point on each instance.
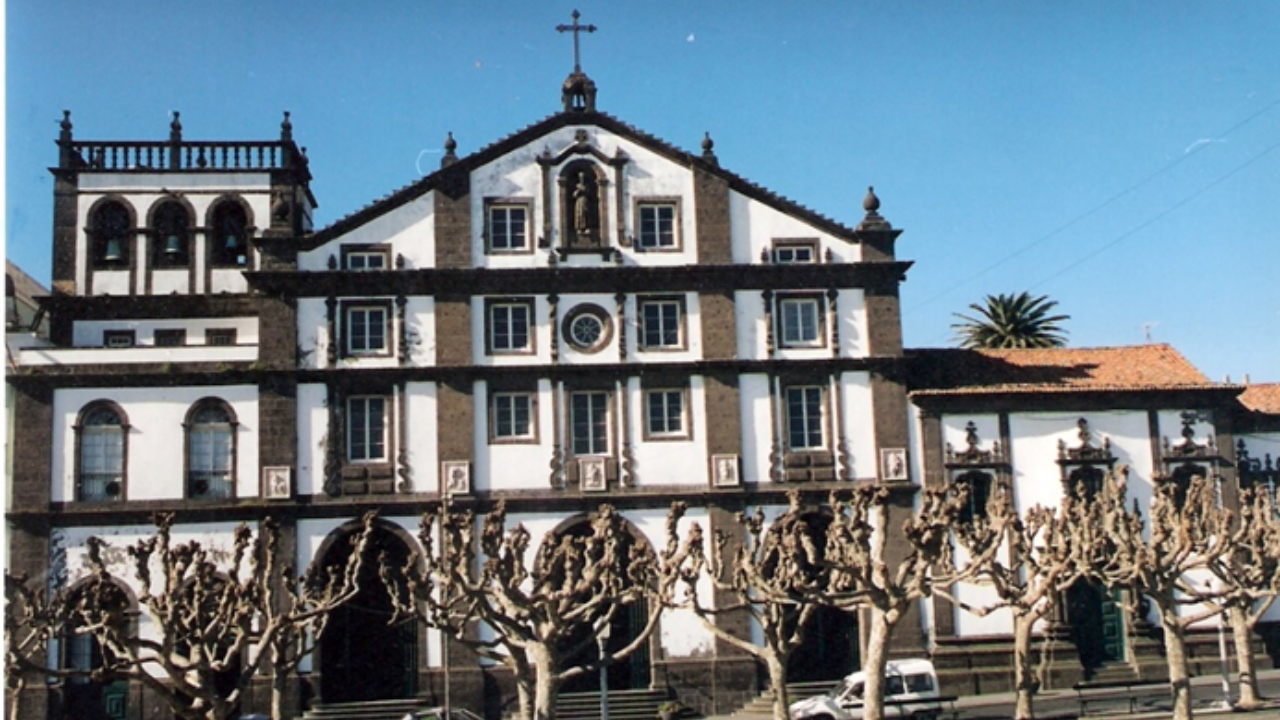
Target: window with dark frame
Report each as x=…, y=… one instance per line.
x=365, y=327
x=210, y=452
x=367, y=429
x=119, y=338
x=805, y=418
x=661, y=323
x=509, y=326
x=220, y=336
x=589, y=422
x=664, y=413
x=365, y=259
x=800, y=321
x=786, y=253
x=100, y=474
x=508, y=225
x=171, y=337
x=512, y=416
x=657, y=223
x=978, y=484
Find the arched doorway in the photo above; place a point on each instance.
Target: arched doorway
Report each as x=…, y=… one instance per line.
x=1097, y=624
x=632, y=673
x=362, y=656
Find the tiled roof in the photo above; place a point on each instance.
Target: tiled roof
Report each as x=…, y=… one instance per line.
x=1262, y=398
x=1139, y=367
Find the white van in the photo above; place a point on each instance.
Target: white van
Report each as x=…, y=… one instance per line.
x=910, y=691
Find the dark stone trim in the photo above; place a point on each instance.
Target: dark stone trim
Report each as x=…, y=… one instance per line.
x=879, y=278
x=1082, y=400
x=162, y=307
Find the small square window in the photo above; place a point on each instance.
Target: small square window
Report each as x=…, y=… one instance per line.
x=661, y=323
x=508, y=227
x=805, y=418
x=118, y=338
x=800, y=321
x=366, y=429
x=665, y=414
x=171, y=338
x=785, y=253
x=510, y=326
x=656, y=226
x=220, y=336
x=512, y=416
x=366, y=328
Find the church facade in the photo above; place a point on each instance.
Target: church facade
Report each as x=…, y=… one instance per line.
x=575, y=314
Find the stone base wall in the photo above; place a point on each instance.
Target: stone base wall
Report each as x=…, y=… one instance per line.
x=708, y=685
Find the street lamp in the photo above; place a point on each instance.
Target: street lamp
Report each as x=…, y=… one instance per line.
x=603, y=626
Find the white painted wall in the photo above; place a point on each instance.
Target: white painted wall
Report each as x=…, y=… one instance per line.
x=420, y=431
x=156, y=440
x=757, y=419
x=859, y=423
x=670, y=462
x=541, y=332
x=513, y=466
x=313, y=429
x=755, y=225
x=88, y=333
x=409, y=230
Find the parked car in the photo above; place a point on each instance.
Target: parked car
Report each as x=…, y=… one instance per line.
x=910, y=691
x=437, y=713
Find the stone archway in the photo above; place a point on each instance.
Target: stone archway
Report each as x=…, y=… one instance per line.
x=832, y=643
x=634, y=672
x=363, y=657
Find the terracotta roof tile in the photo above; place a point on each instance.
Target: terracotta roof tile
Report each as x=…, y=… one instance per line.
x=1139, y=367
x=1262, y=398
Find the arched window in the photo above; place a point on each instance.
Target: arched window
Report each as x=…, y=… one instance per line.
x=210, y=450
x=170, y=236
x=229, y=235
x=109, y=231
x=100, y=469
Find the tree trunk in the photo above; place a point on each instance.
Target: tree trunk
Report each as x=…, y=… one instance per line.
x=525, y=694
x=778, y=683
x=1175, y=648
x=279, y=685
x=13, y=693
x=874, y=666
x=1241, y=635
x=548, y=684
x=1023, y=669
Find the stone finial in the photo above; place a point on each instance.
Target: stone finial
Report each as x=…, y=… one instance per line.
x=871, y=203
x=175, y=128
x=450, y=146
x=65, y=135
x=708, y=149
x=286, y=128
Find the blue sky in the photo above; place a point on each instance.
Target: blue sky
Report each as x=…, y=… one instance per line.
x=1121, y=157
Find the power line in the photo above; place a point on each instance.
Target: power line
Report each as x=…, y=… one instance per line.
x=1098, y=208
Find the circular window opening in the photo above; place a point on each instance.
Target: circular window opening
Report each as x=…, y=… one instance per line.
x=588, y=328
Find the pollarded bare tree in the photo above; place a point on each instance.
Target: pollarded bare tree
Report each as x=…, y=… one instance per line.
x=1249, y=576
x=862, y=579
x=775, y=577
x=1038, y=560
x=542, y=614
x=1188, y=534
x=32, y=617
x=214, y=624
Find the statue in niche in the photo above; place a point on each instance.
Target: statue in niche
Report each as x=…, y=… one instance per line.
x=581, y=202
x=582, y=208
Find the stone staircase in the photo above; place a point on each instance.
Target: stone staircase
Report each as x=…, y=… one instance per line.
x=623, y=705
x=366, y=710
x=763, y=704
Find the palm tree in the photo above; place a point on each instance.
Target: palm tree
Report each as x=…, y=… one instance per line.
x=1011, y=321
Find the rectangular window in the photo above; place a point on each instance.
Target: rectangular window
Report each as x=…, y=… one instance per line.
x=220, y=336
x=512, y=416
x=101, y=474
x=657, y=221
x=367, y=429
x=509, y=327
x=660, y=324
x=118, y=338
x=508, y=227
x=589, y=420
x=800, y=322
x=795, y=252
x=171, y=338
x=367, y=260
x=804, y=418
x=366, y=329
x=664, y=413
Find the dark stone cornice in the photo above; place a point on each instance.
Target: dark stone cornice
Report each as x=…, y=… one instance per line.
x=612, y=279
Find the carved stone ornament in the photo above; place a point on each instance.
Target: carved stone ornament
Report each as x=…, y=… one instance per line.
x=973, y=455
